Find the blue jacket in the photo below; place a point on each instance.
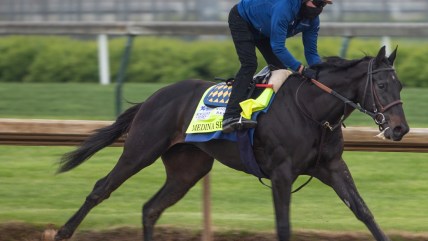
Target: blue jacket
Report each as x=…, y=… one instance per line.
x=278, y=20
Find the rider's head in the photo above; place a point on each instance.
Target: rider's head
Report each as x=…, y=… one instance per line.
x=312, y=8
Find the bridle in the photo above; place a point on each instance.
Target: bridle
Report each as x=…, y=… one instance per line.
x=377, y=115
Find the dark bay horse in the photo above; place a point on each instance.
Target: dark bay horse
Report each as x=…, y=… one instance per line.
x=291, y=139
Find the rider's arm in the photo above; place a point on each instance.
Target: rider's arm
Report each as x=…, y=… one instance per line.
x=280, y=21
x=310, y=39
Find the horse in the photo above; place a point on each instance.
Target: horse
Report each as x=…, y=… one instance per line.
x=301, y=134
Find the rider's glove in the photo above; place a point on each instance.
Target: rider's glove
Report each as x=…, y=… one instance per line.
x=308, y=72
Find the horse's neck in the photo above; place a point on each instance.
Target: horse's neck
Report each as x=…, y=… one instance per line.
x=323, y=106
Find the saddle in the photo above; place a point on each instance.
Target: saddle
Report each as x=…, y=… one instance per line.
x=268, y=77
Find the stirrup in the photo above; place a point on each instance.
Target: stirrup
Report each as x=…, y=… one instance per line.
x=244, y=123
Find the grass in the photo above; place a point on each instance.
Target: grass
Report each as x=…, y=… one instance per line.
x=67, y=101
x=393, y=184
x=96, y=102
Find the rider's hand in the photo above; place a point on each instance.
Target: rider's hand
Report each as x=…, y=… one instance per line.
x=308, y=72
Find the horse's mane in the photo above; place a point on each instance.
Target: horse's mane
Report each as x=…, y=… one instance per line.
x=339, y=63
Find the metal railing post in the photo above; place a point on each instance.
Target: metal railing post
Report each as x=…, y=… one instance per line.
x=121, y=74
x=345, y=45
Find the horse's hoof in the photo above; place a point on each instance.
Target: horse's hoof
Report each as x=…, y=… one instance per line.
x=62, y=234
x=48, y=235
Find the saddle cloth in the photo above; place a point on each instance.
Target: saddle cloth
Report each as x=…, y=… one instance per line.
x=218, y=95
x=209, y=117
x=209, y=113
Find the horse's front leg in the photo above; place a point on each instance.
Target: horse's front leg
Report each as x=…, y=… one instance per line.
x=281, y=190
x=336, y=174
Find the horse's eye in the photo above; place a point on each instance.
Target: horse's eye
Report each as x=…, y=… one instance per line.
x=381, y=86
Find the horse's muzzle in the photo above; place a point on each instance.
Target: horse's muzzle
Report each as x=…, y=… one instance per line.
x=396, y=132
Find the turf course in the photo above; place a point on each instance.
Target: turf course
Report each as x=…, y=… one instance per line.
x=393, y=184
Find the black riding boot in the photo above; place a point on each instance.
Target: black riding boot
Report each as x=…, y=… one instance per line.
x=232, y=119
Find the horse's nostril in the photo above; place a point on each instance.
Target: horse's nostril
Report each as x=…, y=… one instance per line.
x=400, y=130
x=397, y=131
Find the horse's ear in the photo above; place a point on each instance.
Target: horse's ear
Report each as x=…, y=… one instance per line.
x=392, y=56
x=381, y=55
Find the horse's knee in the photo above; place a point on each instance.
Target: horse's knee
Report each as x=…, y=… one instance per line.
x=95, y=198
x=360, y=210
x=99, y=183
x=365, y=215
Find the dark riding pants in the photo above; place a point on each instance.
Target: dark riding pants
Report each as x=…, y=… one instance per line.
x=246, y=39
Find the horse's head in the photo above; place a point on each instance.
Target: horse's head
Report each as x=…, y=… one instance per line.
x=380, y=94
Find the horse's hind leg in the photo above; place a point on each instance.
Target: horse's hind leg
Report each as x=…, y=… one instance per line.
x=133, y=159
x=185, y=165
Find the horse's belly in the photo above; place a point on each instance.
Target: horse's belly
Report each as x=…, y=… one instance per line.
x=226, y=152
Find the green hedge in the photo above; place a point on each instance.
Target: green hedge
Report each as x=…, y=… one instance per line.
x=63, y=59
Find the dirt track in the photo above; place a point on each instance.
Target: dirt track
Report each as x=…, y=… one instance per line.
x=25, y=232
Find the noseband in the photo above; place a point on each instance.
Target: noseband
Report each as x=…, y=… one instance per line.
x=377, y=116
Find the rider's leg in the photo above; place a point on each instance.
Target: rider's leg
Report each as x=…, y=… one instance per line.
x=246, y=50
x=263, y=45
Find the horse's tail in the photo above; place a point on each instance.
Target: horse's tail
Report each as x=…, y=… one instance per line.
x=101, y=138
